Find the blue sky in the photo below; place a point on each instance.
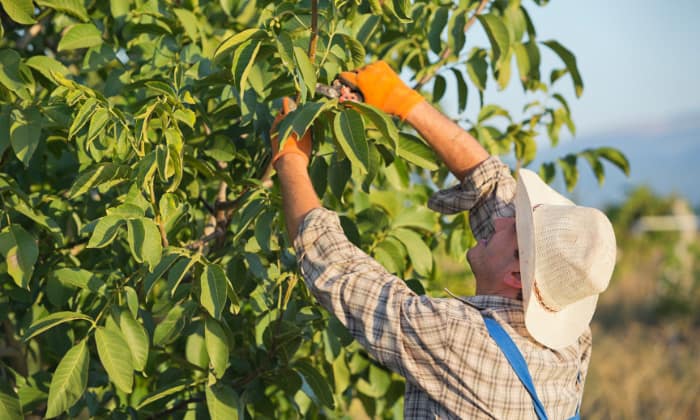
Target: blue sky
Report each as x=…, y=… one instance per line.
x=640, y=64
x=639, y=60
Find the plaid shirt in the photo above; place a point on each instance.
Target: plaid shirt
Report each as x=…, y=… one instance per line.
x=453, y=368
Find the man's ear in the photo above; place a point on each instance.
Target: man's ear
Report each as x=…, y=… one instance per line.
x=512, y=279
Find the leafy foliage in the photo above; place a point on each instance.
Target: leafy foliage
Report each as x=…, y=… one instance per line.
x=144, y=263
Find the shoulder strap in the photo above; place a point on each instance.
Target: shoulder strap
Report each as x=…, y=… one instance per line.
x=516, y=360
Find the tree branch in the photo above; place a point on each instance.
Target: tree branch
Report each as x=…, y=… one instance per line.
x=314, y=30
x=447, y=51
x=220, y=218
x=313, y=39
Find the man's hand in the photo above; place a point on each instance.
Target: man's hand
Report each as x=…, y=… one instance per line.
x=298, y=195
x=292, y=145
x=383, y=88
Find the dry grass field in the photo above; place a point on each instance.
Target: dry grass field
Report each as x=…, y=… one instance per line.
x=646, y=339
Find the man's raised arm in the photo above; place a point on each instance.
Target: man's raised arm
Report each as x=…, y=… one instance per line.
x=383, y=88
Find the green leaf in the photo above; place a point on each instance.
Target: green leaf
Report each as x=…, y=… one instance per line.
x=615, y=157
x=25, y=133
x=82, y=35
x=10, y=407
x=105, y=231
x=418, y=251
x=21, y=252
x=299, y=120
x=490, y=111
x=222, y=402
x=318, y=171
x=285, y=49
x=10, y=72
x=119, y=9
x=570, y=171
x=339, y=173
x=503, y=73
x=462, y=90
x=243, y=60
x=238, y=39
x=498, y=37
x=111, y=347
x=525, y=147
x=533, y=54
x=381, y=121
x=136, y=337
x=51, y=321
x=402, y=9
x=69, y=381
x=72, y=7
x=569, y=60
x=415, y=151
x=357, y=50
x=417, y=217
x=391, y=254
x=165, y=263
x=595, y=164
x=477, y=68
x=439, y=88
x=315, y=385
x=144, y=241
x=163, y=392
x=103, y=174
x=97, y=123
x=178, y=273
x=217, y=346
x=437, y=25
x=514, y=19
x=213, y=293
x=456, y=37
x=522, y=60
x=306, y=68
x=78, y=277
x=45, y=65
x=168, y=329
x=189, y=22
x=547, y=172
x=83, y=116
x=21, y=11
x=264, y=225
x=349, y=132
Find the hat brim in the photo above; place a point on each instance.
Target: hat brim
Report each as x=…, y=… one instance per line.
x=558, y=329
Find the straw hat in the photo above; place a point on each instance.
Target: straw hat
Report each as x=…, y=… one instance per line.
x=567, y=255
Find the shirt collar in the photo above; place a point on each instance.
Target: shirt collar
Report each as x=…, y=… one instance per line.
x=508, y=310
x=495, y=302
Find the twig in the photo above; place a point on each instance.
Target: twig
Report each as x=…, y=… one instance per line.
x=447, y=51
x=222, y=209
x=267, y=175
x=199, y=243
x=314, y=30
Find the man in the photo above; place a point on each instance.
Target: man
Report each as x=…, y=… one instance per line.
x=539, y=264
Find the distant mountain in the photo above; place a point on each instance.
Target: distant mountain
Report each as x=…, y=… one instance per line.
x=664, y=156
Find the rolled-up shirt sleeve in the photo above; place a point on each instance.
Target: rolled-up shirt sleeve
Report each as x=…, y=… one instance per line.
x=401, y=329
x=486, y=192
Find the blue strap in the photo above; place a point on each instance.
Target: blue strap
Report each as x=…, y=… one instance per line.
x=516, y=360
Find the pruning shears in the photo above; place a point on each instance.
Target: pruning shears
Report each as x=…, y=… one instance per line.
x=337, y=90
x=341, y=91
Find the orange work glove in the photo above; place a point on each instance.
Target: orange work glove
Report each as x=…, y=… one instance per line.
x=383, y=88
x=292, y=145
